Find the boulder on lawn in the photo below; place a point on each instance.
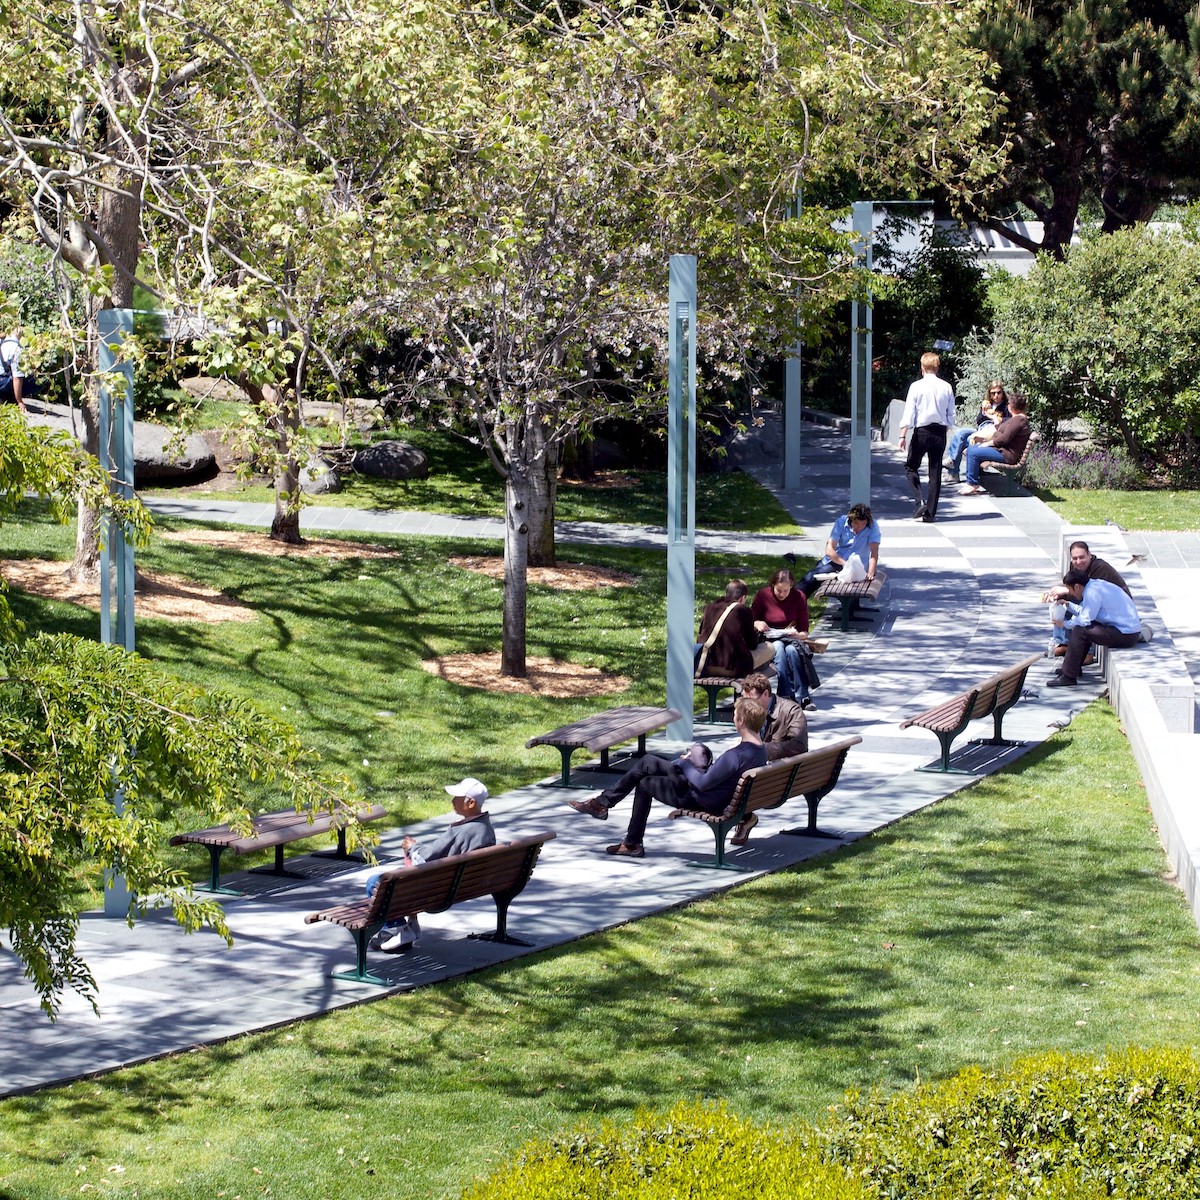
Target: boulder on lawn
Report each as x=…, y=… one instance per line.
x=392, y=460
x=157, y=455
x=318, y=478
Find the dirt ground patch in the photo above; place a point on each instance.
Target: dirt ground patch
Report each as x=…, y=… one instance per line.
x=163, y=596
x=567, y=577
x=547, y=676
x=251, y=542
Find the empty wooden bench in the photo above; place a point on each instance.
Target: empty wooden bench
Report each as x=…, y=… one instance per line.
x=850, y=595
x=813, y=775
x=602, y=731
x=497, y=871
x=274, y=831
x=991, y=698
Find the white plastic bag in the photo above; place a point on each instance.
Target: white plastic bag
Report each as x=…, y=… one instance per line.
x=853, y=570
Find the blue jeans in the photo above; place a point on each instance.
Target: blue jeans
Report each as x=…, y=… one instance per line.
x=790, y=669
x=959, y=440
x=980, y=454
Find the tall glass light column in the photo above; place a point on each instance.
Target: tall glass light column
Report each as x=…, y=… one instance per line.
x=116, y=552
x=681, y=493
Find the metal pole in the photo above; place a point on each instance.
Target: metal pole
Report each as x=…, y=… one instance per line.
x=681, y=493
x=860, y=364
x=116, y=552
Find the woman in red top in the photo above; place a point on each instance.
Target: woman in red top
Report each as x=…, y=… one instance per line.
x=781, y=606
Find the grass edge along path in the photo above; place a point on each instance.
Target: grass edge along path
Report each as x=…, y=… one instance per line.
x=1027, y=912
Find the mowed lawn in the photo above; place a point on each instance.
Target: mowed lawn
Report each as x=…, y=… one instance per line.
x=336, y=648
x=1030, y=911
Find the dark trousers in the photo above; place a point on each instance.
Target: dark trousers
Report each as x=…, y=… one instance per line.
x=810, y=582
x=1083, y=637
x=926, y=442
x=651, y=778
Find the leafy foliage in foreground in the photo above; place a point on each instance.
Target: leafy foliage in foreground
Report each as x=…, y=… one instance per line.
x=1056, y=1125
x=699, y=1151
x=78, y=720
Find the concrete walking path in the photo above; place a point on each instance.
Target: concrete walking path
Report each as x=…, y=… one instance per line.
x=949, y=616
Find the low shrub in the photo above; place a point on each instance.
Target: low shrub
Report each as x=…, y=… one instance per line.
x=1052, y=1126
x=694, y=1152
x=1090, y=470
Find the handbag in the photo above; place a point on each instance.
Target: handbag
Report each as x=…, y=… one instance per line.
x=810, y=668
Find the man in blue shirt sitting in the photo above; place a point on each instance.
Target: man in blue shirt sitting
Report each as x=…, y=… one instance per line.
x=1106, y=616
x=857, y=533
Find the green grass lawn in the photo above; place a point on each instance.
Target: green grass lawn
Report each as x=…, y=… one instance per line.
x=462, y=480
x=1147, y=511
x=1027, y=912
x=336, y=649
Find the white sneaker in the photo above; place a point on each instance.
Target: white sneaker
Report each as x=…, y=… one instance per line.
x=402, y=941
x=384, y=935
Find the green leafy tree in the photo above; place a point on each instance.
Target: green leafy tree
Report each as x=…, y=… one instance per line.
x=599, y=143
x=1102, y=112
x=1111, y=333
x=78, y=720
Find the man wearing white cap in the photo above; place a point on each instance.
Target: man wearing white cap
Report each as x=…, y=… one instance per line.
x=472, y=831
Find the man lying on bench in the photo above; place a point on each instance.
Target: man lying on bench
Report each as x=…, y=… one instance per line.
x=681, y=784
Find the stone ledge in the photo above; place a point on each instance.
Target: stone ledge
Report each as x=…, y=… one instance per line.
x=1169, y=763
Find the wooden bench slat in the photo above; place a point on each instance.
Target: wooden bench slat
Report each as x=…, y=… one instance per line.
x=812, y=775
x=499, y=871
x=991, y=698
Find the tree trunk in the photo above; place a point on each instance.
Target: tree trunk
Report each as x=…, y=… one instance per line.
x=542, y=459
x=579, y=458
x=118, y=222
x=85, y=566
x=284, y=423
x=516, y=560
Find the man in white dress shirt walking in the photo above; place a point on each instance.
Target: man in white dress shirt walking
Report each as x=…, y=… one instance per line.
x=928, y=416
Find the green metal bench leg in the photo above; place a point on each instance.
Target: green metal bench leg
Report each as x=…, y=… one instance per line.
x=997, y=738
x=719, y=862
x=500, y=934
x=811, y=830
x=361, y=974
x=214, y=876
x=944, y=767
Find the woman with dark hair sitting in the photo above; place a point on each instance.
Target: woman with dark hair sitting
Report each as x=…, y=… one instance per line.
x=993, y=410
x=780, y=612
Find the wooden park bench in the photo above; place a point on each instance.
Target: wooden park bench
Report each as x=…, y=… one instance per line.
x=851, y=595
x=1009, y=472
x=602, y=731
x=274, y=831
x=991, y=698
x=715, y=684
x=813, y=776
x=498, y=871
